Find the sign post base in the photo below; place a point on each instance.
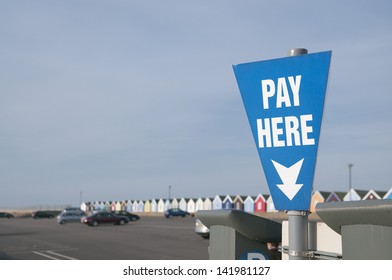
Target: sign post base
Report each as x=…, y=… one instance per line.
x=298, y=235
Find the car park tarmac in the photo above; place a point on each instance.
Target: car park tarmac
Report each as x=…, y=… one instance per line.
x=150, y=238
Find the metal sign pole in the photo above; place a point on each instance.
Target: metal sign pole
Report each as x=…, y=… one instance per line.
x=298, y=235
x=298, y=220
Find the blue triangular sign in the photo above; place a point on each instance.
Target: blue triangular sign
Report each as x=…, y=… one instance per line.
x=284, y=100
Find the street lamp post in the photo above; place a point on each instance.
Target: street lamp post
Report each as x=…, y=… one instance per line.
x=170, y=196
x=350, y=165
x=80, y=198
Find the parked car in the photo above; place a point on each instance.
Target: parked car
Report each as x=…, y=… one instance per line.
x=6, y=215
x=69, y=217
x=132, y=217
x=42, y=214
x=175, y=212
x=201, y=229
x=104, y=218
x=72, y=209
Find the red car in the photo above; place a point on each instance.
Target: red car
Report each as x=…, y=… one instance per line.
x=104, y=218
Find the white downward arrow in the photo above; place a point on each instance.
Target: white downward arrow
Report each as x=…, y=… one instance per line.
x=289, y=176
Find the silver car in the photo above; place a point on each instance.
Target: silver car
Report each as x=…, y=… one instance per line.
x=70, y=216
x=201, y=229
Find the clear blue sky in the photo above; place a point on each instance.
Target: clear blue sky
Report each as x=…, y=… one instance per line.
x=120, y=99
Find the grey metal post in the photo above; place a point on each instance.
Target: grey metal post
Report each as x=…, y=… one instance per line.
x=350, y=165
x=80, y=198
x=298, y=235
x=170, y=196
x=312, y=236
x=298, y=51
x=298, y=220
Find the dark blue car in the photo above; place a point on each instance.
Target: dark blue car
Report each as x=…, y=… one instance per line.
x=6, y=215
x=174, y=212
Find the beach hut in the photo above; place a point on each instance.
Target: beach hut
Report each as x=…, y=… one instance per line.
x=112, y=206
x=207, y=204
x=335, y=197
x=217, y=203
x=117, y=206
x=161, y=206
x=168, y=204
x=108, y=205
x=354, y=195
x=154, y=205
x=228, y=202
x=182, y=204
x=135, y=206
x=123, y=205
x=238, y=202
x=95, y=205
x=128, y=206
x=101, y=206
x=175, y=203
x=147, y=206
x=317, y=197
x=270, y=205
x=249, y=204
x=140, y=206
x=388, y=195
x=371, y=195
x=260, y=204
x=84, y=206
x=191, y=206
x=199, y=205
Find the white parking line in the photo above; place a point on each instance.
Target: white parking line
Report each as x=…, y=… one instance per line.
x=60, y=255
x=44, y=255
x=53, y=253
